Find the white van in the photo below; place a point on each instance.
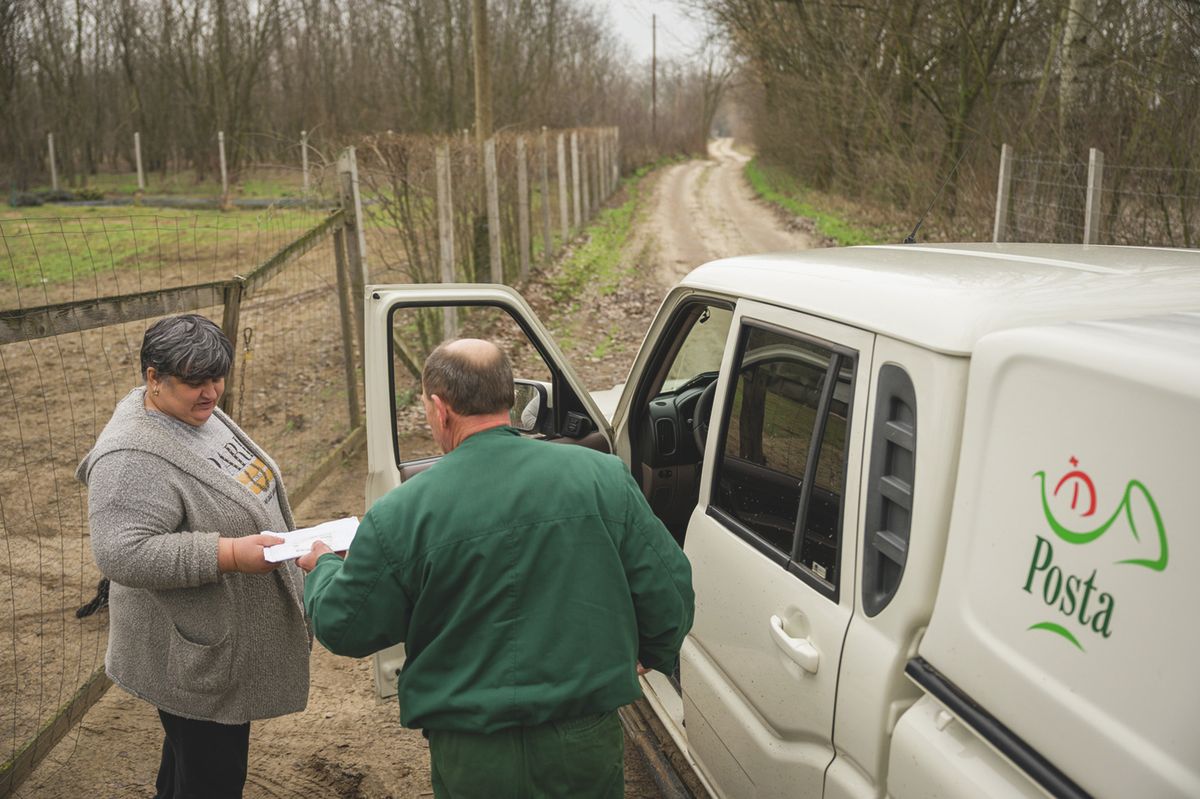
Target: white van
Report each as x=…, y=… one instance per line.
x=941, y=504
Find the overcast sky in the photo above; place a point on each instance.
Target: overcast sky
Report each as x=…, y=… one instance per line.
x=678, y=34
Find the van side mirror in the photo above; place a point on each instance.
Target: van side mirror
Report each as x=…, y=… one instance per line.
x=531, y=408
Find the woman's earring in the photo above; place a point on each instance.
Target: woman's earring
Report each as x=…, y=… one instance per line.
x=156, y=391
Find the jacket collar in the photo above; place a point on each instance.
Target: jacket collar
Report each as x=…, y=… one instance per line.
x=132, y=428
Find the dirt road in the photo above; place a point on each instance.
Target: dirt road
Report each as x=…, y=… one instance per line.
x=348, y=743
x=705, y=210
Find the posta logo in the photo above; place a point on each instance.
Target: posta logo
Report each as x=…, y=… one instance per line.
x=1080, y=599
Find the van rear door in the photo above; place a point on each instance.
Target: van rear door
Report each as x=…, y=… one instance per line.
x=1063, y=633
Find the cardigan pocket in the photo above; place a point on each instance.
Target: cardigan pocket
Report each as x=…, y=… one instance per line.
x=199, y=668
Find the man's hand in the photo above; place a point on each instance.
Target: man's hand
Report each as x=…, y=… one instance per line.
x=246, y=554
x=642, y=670
x=308, y=562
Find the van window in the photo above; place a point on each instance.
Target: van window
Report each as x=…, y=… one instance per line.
x=781, y=468
x=818, y=543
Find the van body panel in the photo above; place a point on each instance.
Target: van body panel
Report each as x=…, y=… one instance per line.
x=1066, y=604
x=935, y=756
x=873, y=690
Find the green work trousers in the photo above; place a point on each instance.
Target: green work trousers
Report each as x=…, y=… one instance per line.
x=580, y=758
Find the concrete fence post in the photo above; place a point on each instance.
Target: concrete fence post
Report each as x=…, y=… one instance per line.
x=616, y=158
x=575, y=177
x=585, y=177
x=563, y=214
x=1003, y=186
x=1091, y=219
x=523, y=233
x=445, y=216
x=137, y=158
x=608, y=157
x=547, y=243
x=493, y=209
x=53, y=162
x=598, y=160
x=304, y=159
x=224, y=173
x=601, y=169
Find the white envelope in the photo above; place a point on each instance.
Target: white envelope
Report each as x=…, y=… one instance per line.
x=336, y=534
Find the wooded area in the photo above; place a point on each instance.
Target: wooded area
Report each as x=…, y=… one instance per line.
x=876, y=100
x=880, y=99
x=178, y=71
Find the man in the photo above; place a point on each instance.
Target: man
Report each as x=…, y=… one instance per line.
x=530, y=583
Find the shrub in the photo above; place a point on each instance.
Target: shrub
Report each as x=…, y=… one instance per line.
x=55, y=196
x=24, y=199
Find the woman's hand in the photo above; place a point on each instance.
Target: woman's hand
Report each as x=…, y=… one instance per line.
x=246, y=554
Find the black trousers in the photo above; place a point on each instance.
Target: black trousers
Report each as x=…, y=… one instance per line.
x=202, y=759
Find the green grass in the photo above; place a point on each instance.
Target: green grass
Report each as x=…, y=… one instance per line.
x=777, y=187
x=53, y=244
x=598, y=261
x=260, y=183
x=607, y=344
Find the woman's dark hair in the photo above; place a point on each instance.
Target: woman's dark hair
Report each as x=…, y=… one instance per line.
x=189, y=347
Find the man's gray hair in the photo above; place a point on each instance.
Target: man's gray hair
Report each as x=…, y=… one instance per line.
x=189, y=347
x=470, y=385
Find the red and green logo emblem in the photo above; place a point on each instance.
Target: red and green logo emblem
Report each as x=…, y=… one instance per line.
x=1083, y=606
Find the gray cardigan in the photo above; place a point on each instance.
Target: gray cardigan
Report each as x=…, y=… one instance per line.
x=183, y=636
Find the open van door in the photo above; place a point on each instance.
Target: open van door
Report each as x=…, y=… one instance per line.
x=403, y=323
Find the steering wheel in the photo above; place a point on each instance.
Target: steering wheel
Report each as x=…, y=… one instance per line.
x=701, y=415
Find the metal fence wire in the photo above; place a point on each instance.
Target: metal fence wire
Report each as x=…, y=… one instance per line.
x=1049, y=200
x=78, y=294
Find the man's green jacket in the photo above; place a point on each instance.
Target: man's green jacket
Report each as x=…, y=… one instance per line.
x=525, y=578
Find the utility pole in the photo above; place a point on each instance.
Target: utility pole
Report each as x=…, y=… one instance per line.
x=654, y=78
x=483, y=73
x=484, y=240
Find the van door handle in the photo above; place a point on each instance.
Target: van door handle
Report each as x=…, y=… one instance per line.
x=801, y=650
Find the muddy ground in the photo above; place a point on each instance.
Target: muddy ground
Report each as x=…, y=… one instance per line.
x=348, y=743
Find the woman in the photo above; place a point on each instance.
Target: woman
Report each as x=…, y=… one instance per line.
x=201, y=626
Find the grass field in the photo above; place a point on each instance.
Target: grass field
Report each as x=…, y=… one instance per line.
x=259, y=182
x=54, y=244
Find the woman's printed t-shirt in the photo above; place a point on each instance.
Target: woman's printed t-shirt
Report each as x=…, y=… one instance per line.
x=216, y=443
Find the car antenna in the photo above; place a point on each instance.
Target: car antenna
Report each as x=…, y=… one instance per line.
x=911, y=238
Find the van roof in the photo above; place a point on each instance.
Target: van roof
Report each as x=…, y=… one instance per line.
x=946, y=296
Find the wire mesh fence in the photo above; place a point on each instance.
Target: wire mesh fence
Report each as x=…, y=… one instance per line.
x=399, y=180
x=56, y=394
x=75, y=299
x=1050, y=199
x=289, y=391
x=261, y=170
x=443, y=209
